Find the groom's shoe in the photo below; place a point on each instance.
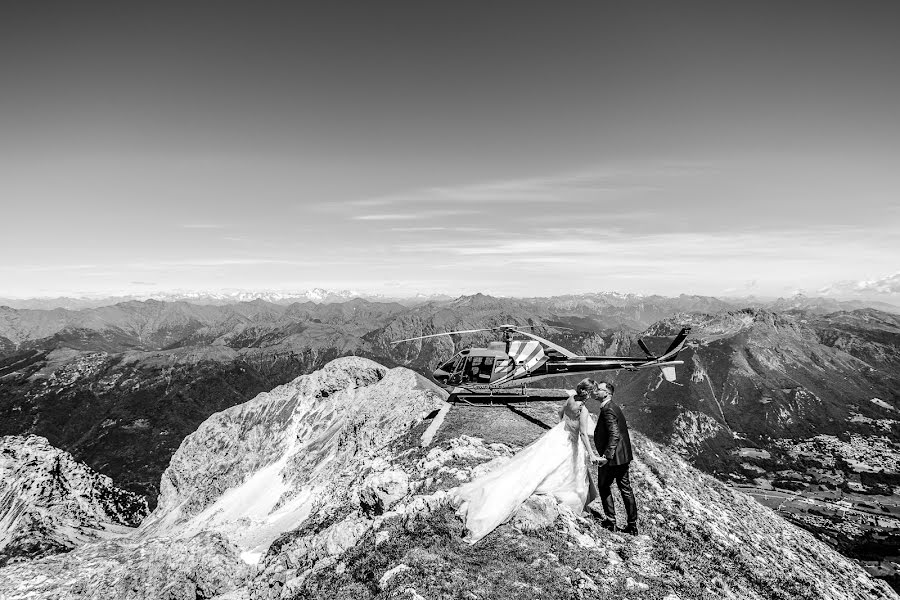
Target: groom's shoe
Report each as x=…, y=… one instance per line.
x=608, y=524
x=631, y=529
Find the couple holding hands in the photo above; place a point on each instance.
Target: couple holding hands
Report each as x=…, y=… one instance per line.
x=558, y=464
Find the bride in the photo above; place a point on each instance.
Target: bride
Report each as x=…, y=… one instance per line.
x=555, y=464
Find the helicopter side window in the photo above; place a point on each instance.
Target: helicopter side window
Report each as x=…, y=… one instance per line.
x=486, y=369
x=479, y=369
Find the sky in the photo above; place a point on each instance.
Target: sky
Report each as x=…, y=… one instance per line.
x=457, y=147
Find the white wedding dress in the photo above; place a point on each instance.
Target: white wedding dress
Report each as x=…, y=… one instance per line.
x=555, y=464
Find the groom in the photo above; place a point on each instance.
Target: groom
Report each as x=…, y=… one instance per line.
x=614, y=444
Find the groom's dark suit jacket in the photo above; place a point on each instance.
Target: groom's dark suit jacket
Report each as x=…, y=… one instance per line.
x=611, y=435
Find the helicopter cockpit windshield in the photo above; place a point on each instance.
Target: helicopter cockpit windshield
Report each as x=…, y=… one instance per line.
x=450, y=372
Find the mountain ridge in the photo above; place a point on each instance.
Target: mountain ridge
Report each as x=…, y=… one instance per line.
x=801, y=411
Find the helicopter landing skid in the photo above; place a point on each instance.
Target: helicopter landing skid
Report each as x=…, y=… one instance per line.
x=505, y=396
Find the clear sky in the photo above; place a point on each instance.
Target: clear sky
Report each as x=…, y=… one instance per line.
x=399, y=147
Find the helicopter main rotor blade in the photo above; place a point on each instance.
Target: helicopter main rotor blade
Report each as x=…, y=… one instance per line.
x=422, y=337
x=498, y=327
x=560, y=349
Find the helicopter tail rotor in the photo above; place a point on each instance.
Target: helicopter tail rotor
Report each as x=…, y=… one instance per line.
x=677, y=343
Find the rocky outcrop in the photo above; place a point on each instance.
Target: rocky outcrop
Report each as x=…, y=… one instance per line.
x=197, y=568
x=261, y=468
x=325, y=482
x=50, y=503
x=699, y=539
x=246, y=476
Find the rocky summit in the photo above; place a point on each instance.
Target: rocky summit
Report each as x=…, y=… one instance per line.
x=261, y=468
x=50, y=503
x=324, y=488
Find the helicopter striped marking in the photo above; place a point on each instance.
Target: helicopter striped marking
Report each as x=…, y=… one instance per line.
x=528, y=355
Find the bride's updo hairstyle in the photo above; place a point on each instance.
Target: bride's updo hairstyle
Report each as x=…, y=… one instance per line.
x=587, y=387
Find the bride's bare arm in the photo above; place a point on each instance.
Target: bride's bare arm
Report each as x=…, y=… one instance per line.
x=567, y=405
x=585, y=425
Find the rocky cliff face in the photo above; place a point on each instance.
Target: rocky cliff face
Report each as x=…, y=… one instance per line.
x=243, y=478
x=331, y=467
x=261, y=468
x=50, y=503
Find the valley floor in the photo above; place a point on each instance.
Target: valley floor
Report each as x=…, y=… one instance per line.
x=842, y=520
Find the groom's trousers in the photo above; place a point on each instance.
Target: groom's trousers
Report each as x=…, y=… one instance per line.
x=605, y=476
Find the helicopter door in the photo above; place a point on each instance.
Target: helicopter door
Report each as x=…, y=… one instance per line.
x=478, y=369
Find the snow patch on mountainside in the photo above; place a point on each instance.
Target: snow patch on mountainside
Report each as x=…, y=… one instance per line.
x=260, y=468
x=882, y=404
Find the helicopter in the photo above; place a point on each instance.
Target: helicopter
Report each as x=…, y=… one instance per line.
x=502, y=371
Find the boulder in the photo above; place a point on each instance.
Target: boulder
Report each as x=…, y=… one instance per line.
x=537, y=512
x=380, y=491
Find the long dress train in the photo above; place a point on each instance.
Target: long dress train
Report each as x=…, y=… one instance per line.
x=556, y=464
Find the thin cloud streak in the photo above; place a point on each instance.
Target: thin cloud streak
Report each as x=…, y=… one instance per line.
x=433, y=229
x=388, y=217
x=579, y=186
x=159, y=265
x=610, y=180
x=760, y=247
x=46, y=268
x=887, y=286
x=426, y=214
x=218, y=262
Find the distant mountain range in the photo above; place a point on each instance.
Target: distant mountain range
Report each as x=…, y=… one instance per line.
x=326, y=296
x=317, y=295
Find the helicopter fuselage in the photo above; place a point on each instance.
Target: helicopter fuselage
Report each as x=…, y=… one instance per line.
x=476, y=372
x=494, y=367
